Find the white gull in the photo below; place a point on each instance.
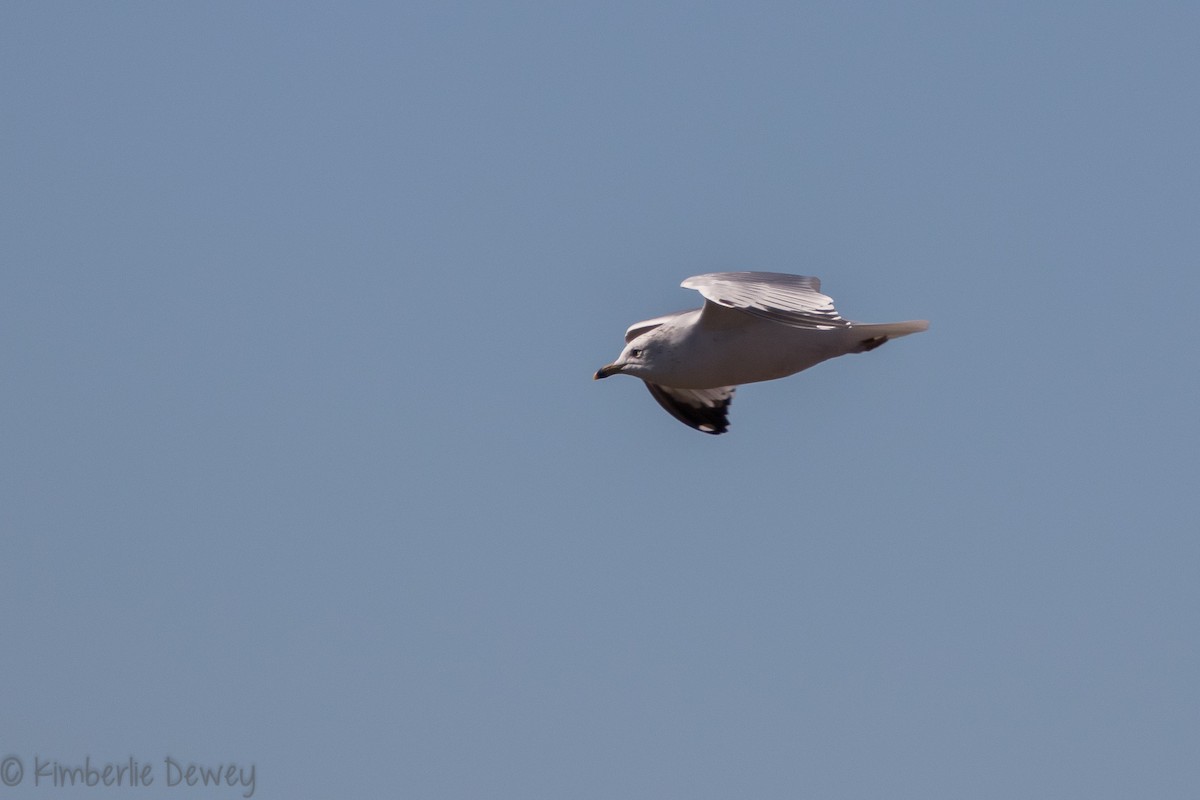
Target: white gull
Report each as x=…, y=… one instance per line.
x=754, y=326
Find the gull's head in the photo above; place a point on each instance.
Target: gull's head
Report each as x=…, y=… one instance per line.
x=637, y=359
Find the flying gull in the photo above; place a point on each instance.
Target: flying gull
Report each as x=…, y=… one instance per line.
x=754, y=326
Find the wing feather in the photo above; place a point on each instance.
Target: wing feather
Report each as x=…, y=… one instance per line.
x=794, y=300
x=706, y=410
x=638, y=328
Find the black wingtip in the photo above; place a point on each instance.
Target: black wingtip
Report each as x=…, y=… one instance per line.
x=713, y=420
x=867, y=345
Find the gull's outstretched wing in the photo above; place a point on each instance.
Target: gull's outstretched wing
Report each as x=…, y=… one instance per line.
x=706, y=410
x=794, y=300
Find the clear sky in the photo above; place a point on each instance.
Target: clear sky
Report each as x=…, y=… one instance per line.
x=303, y=466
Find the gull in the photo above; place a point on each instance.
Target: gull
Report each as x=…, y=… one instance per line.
x=754, y=326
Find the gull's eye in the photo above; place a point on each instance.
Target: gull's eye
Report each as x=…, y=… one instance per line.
x=636, y=352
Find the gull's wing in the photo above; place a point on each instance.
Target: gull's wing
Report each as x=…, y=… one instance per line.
x=706, y=410
x=794, y=300
x=638, y=328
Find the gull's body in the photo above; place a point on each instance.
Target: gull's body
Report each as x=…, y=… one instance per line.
x=754, y=326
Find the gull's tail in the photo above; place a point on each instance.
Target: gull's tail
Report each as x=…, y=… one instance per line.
x=871, y=335
x=892, y=330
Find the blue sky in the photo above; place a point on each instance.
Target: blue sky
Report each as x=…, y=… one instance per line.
x=304, y=467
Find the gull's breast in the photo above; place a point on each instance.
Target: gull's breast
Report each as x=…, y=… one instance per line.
x=757, y=351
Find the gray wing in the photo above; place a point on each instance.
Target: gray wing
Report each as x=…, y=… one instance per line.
x=794, y=300
x=638, y=328
x=706, y=410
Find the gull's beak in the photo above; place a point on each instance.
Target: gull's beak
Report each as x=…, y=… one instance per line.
x=604, y=372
